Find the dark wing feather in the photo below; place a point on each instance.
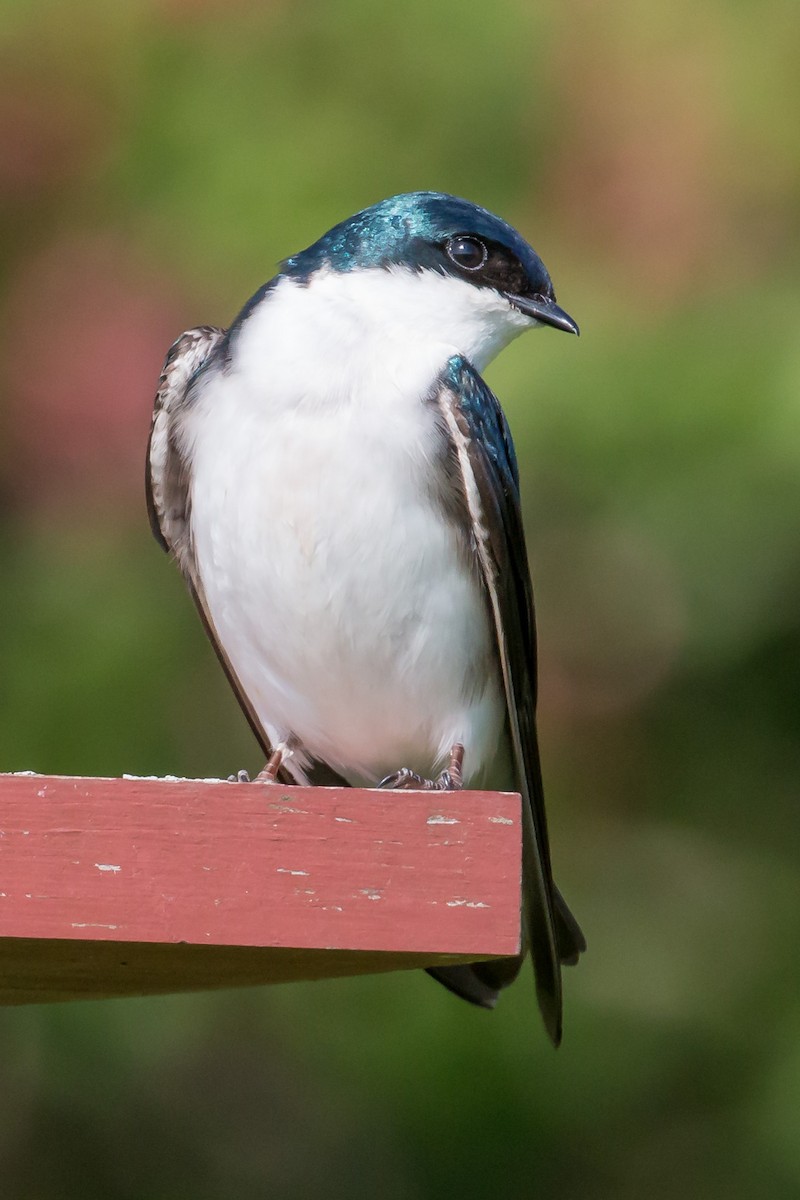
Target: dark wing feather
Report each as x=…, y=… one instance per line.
x=485, y=454
x=166, y=474
x=167, y=485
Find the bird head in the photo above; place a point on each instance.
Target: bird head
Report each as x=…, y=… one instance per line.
x=426, y=263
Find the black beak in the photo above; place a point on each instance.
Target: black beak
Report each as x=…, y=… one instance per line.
x=544, y=310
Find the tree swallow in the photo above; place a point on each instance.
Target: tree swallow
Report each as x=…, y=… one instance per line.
x=340, y=490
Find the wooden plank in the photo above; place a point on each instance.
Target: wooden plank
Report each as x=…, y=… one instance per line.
x=132, y=886
x=42, y=971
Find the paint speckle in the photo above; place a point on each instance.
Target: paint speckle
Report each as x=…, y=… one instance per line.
x=467, y=904
x=371, y=893
x=501, y=820
x=92, y=925
x=108, y=867
x=439, y=819
x=288, y=871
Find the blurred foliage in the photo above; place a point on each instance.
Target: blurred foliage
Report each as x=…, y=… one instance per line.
x=158, y=157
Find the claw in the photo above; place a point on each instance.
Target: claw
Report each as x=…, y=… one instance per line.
x=450, y=780
x=239, y=777
x=404, y=780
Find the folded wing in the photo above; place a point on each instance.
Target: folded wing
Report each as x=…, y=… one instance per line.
x=484, y=453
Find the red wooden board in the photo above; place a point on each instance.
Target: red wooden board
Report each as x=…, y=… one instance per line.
x=313, y=874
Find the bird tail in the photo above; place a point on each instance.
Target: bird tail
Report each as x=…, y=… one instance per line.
x=481, y=983
x=570, y=941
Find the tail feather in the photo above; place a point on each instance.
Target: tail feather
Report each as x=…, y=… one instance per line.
x=569, y=936
x=480, y=983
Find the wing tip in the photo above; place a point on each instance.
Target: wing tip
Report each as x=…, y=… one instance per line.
x=550, y=1008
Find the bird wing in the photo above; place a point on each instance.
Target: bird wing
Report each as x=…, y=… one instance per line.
x=485, y=461
x=167, y=485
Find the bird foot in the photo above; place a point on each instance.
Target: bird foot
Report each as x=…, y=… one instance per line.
x=268, y=773
x=450, y=780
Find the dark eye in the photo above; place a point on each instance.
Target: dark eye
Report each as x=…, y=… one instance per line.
x=467, y=252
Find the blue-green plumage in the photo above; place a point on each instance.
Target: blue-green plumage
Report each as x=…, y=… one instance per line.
x=407, y=230
x=551, y=931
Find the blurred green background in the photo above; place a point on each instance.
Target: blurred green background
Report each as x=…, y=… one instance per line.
x=157, y=157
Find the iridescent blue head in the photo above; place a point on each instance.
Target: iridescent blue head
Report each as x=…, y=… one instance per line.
x=431, y=231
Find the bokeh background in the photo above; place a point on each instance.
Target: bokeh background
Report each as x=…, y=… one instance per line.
x=157, y=158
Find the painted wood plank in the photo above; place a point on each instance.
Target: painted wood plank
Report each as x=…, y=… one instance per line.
x=130, y=886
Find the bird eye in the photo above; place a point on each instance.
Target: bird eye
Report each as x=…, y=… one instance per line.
x=467, y=252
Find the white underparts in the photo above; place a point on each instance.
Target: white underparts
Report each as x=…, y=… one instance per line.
x=335, y=582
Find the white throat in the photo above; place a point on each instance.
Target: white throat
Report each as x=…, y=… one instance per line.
x=344, y=331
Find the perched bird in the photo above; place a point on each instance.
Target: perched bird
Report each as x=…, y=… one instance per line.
x=340, y=490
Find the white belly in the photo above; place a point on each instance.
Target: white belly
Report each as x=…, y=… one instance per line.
x=335, y=583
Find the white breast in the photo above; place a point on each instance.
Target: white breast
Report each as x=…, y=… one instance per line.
x=334, y=581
